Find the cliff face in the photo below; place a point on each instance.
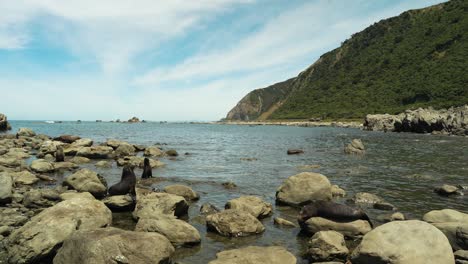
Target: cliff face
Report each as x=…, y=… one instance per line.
x=417, y=59
x=259, y=103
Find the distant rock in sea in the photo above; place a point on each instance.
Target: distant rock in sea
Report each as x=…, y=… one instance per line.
x=4, y=125
x=134, y=120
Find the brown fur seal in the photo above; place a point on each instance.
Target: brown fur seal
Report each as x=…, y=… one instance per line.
x=126, y=184
x=59, y=157
x=332, y=211
x=147, y=172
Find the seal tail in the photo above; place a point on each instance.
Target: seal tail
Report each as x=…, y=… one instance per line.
x=366, y=217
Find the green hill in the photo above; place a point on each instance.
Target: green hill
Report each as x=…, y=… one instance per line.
x=417, y=59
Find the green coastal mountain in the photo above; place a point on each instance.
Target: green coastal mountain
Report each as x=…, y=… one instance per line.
x=417, y=59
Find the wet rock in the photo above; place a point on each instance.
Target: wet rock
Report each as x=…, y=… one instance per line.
x=182, y=190
x=445, y=215
x=42, y=235
x=207, y=209
x=229, y=185
x=255, y=255
x=308, y=167
x=25, y=132
x=447, y=190
x=119, y=202
x=6, y=187
x=172, y=153
x=42, y=166
x=393, y=217
x=80, y=160
x=384, y=206
x=124, y=149
x=86, y=180
x=453, y=224
x=154, y=152
x=67, y=138
x=355, y=147
x=337, y=191
x=295, y=151
x=152, y=204
x=350, y=229
x=96, y=152
x=179, y=232
x=234, y=223
x=327, y=246
x=252, y=205
x=283, y=222
x=138, y=162
x=65, y=165
x=303, y=188
x=403, y=242
x=103, y=164
x=113, y=245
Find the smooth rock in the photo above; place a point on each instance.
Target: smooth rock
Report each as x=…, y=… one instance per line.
x=6, y=188
x=255, y=255
x=74, y=194
x=327, y=246
x=355, y=147
x=113, y=245
x=86, y=180
x=337, y=191
x=350, y=229
x=96, y=152
x=138, y=162
x=80, y=160
x=177, y=231
x=445, y=215
x=25, y=132
x=403, y=242
x=446, y=190
x=182, y=190
x=154, y=152
x=119, y=202
x=103, y=164
x=124, y=149
x=283, y=222
x=42, y=166
x=65, y=165
x=152, y=204
x=172, y=153
x=303, y=188
x=234, y=223
x=252, y=205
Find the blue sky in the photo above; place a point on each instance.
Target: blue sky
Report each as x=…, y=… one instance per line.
x=164, y=60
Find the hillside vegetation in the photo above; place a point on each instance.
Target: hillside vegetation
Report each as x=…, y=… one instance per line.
x=417, y=59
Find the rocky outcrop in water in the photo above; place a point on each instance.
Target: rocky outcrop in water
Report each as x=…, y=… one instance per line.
x=255, y=255
x=4, y=125
x=422, y=120
x=304, y=188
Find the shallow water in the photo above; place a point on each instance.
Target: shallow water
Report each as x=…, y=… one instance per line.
x=401, y=168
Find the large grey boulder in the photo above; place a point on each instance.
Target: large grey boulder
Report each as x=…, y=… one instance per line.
x=179, y=232
x=327, y=246
x=453, y=224
x=403, y=242
x=113, y=245
x=304, y=188
x=42, y=166
x=152, y=204
x=182, y=190
x=234, y=223
x=6, y=186
x=350, y=229
x=252, y=205
x=45, y=232
x=255, y=255
x=86, y=180
x=96, y=152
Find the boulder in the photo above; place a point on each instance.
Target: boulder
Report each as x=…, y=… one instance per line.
x=12, y=217
x=114, y=143
x=67, y=138
x=86, y=180
x=461, y=256
x=65, y=165
x=17, y=153
x=208, y=208
x=152, y=204
x=4, y=125
x=119, y=202
x=42, y=166
x=453, y=224
x=45, y=232
x=234, y=223
x=96, y=152
x=154, y=152
x=255, y=255
x=11, y=162
x=74, y=194
x=447, y=189
x=327, y=246
x=24, y=177
x=25, y=132
x=304, y=188
x=355, y=147
x=172, y=153
x=113, y=245
x=182, y=190
x=366, y=198
x=403, y=242
x=138, y=162
x=80, y=160
x=380, y=122
x=124, y=149
x=445, y=215
x=179, y=232
x=103, y=164
x=134, y=120
x=252, y=205
x=283, y=222
x=48, y=147
x=350, y=229
x=337, y=191
x=6, y=187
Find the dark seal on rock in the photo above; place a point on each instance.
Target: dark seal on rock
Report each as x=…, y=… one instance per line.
x=59, y=156
x=332, y=211
x=147, y=172
x=126, y=184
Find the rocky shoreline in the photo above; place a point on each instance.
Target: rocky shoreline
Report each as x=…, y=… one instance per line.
x=344, y=124
x=72, y=222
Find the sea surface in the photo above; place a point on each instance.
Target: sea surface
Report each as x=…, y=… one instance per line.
x=402, y=168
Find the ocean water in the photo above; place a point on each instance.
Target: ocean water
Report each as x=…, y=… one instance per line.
x=402, y=168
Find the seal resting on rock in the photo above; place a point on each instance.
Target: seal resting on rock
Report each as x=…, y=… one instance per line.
x=147, y=172
x=126, y=184
x=331, y=211
x=59, y=157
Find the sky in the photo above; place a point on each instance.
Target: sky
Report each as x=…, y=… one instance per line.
x=174, y=60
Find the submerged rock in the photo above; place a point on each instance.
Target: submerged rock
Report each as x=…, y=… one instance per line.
x=252, y=205
x=234, y=223
x=113, y=245
x=304, y=188
x=403, y=242
x=295, y=151
x=172, y=153
x=255, y=255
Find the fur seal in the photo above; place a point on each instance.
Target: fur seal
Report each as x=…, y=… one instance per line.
x=59, y=157
x=147, y=172
x=332, y=211
x=126, y=184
